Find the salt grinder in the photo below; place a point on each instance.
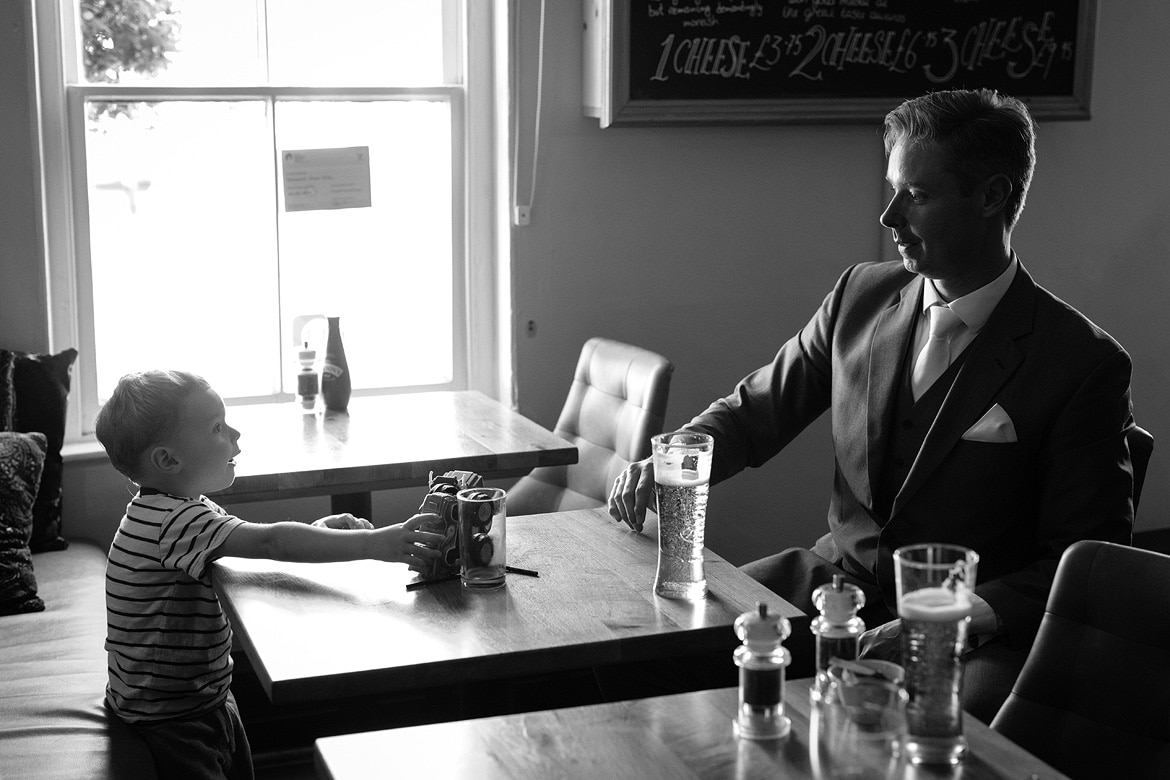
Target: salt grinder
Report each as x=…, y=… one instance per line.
x=838, y=629
x=761, y=661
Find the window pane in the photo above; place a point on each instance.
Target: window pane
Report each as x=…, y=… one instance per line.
x=182, y=243
x=386, y=270
x=170, y=41
x=356, y=42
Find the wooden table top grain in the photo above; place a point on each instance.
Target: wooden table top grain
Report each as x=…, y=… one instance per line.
x=382, y=442
x=679, y=737
x=320, y=632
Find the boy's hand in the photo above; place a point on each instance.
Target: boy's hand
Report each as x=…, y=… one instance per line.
x=405, y=543
x=344, y=521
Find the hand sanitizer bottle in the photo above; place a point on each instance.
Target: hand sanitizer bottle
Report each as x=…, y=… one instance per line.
x=761, y=661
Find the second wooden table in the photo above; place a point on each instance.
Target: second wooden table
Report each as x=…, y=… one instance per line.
x=382, y=442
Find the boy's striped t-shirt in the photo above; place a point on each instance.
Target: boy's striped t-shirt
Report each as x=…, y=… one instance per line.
x=168, y=641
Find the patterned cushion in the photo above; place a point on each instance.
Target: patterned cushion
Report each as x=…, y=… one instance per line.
x=37, y=397
x=22, y=458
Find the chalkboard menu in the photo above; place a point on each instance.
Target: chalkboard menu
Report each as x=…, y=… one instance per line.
x=744, y=61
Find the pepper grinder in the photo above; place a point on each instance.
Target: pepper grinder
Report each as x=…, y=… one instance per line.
x=761, y=661
x=838, y=629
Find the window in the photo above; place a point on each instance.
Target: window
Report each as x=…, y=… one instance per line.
x=223, y=168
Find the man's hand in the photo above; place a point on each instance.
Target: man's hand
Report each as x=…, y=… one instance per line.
x=883, y=643
x=631, y=494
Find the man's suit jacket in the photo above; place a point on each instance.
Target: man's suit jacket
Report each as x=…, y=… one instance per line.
x=1063, y=381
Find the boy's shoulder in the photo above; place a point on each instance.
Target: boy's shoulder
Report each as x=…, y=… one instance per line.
x=157, y=508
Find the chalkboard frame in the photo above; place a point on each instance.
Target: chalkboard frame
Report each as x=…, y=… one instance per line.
x=607, y=77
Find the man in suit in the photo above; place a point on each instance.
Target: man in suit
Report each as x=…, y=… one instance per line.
x=1016, y=450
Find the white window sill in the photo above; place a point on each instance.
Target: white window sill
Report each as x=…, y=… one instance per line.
x=85, y=450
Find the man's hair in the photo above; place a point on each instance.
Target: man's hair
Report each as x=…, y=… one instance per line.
x=143, y=410
x=983, y=133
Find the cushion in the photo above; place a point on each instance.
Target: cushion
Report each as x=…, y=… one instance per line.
x=22, y=458
x=39, y=396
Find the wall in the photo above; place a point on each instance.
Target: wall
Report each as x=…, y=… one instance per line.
x=713, y=245
x=23, y=308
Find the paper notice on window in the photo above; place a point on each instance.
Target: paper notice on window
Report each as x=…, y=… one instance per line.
x=326, y=178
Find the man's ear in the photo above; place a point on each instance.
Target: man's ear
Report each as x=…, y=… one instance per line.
x=996, y=192
x=164, y=460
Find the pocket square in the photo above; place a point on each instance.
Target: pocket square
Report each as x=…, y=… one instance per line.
x=995, y=427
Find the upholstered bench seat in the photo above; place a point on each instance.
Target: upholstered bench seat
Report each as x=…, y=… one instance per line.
x=53, y=677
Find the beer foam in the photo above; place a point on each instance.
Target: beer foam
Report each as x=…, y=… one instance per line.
x=679, y=478
x=936, y=604
x=670, y=469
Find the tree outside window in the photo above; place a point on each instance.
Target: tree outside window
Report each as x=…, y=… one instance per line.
x=120, y=36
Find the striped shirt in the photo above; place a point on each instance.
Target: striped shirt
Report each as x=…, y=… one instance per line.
x=168, y=641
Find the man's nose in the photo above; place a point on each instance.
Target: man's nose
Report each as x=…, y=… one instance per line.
x=892, y=216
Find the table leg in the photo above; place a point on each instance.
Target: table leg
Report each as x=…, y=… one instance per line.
x=357, y=504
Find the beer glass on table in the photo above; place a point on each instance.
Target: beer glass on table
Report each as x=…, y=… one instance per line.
x=682, y=473
x=934, y=585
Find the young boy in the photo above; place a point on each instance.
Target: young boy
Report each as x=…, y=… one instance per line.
x=168, y=640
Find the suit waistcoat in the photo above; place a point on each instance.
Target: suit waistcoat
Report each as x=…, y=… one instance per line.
x=909, y=425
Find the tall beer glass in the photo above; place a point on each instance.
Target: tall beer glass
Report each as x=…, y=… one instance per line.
x=682, y=474
x=934, y=584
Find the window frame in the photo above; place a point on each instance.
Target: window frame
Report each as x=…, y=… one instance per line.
x=482, y=354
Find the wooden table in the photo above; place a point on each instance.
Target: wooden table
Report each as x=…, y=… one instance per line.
x=382, y=442
x=323, y=632
x=669, y=737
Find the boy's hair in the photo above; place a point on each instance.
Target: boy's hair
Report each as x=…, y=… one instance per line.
x=143, y=410
x=983, y=133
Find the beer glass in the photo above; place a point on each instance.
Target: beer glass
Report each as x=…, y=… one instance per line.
x=934, y=584
x=682, y=473
x=482, y=548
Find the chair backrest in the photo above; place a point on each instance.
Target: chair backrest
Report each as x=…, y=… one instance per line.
x=1091, y=698
x=616, y=403
x=1141, y=447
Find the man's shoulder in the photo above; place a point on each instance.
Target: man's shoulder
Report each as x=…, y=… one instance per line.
x=1069, y=323
x=878, y=283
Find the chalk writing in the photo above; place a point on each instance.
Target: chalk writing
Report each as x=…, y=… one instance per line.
x=735, y=49
x=1025, y=48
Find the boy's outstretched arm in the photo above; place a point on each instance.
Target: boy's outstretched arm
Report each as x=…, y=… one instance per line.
x=345, y=520
x=291, y=541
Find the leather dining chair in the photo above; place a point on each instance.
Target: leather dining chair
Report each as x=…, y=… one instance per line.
x=1092, y=697
x=616, y=402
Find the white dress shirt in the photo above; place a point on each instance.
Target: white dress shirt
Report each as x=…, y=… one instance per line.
x=974, y=309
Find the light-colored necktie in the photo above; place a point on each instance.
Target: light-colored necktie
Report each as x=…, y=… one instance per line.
x=935, y=356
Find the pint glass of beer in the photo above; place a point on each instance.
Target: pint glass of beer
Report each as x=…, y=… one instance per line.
x=682, y=473
x=934, y=585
